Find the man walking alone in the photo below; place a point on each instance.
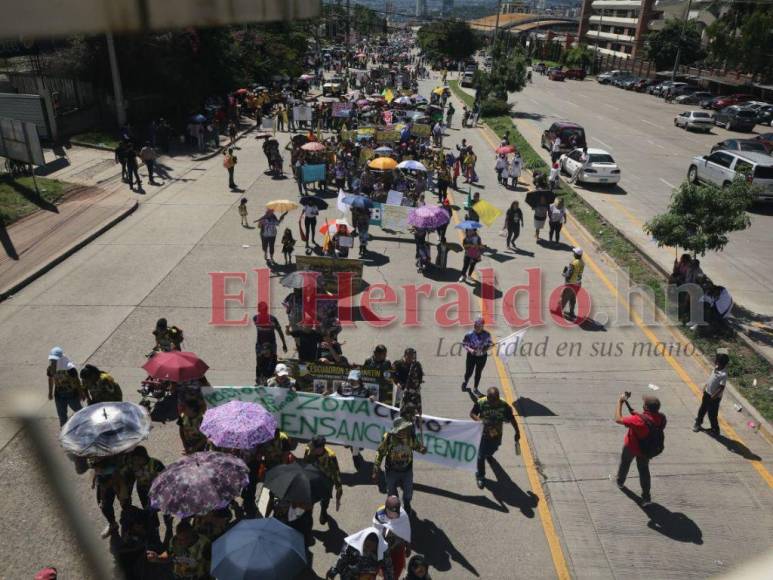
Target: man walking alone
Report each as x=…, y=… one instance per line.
x=712, y=394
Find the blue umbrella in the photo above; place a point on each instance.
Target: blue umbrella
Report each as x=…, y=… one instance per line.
x=358, y=201
x=198, y=118
x=258, y=549
x=469, y=225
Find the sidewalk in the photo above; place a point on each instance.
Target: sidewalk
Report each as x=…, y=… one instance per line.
x=40, y=241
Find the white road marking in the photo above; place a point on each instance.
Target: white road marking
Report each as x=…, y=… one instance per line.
x=651, y=123
x=600, y=141
x=568, y=102
x=671, y=185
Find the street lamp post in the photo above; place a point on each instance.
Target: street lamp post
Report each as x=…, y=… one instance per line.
x=120, y=110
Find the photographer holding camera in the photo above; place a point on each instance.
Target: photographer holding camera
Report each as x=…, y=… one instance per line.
x=643, y=441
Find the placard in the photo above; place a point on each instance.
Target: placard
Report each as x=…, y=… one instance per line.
x=312, y=173
x=394, y=197
x=342, y=110
x=394, y=218
x=302, y=114
x=420, y=130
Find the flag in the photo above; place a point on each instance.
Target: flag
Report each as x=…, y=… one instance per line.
x=487, y=213
x=388, y=95
x=508, y=346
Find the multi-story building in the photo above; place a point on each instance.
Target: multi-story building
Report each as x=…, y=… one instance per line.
x=514, y=7
x=447, y=7
x=421, y=8
x=616, y=27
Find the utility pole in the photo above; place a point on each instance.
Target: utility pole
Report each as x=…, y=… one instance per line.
x=117, y=89
x=681, y=40
x=496, y=25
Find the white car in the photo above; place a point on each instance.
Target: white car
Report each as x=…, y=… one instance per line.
x=694, y=120
x=599, y=167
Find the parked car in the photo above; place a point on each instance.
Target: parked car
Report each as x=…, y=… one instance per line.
x=654, y=89
x=540, y=67
x=684, y=89
x=722, y=102
x=644, y=85
x=765, y=115
x=628, y=84
x=556, y=74
x=740, y=145
x=660, y=90
x=575, y=73
x=572, y=136
x=735, y=118
x=695, y=120
x=467, y=79
x=600, y=167
x=618, y=82
x=721, y=167
x=693, y=98
x=605, y=78
x=767, y=141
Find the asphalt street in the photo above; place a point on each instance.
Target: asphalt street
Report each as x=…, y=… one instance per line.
x=551, y=512
x=654, y=155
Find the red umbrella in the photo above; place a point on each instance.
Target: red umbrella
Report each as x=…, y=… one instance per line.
x=506, y=149
x=175, y=366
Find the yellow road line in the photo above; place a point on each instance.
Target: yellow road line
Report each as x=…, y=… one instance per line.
x=546, y=518
x=675, y=365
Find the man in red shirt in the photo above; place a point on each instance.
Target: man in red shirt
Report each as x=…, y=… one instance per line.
x=638, y=429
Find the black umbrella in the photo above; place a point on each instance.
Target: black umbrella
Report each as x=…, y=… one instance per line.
x=298, y=482
x=315, y=201
x=533, y=197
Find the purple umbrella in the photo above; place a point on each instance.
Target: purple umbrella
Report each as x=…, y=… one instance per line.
x=198, y=483
x=238, y=425
x=428, y=217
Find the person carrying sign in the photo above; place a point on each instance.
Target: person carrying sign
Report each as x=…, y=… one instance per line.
x=408, y=375
x=492, y=411
x=319, y=454
x=397, y=448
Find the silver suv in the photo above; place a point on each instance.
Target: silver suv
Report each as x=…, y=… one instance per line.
x=721, y=167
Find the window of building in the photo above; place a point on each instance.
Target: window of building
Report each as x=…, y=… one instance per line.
x=628, y=49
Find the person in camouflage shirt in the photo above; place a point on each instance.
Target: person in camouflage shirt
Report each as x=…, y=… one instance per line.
x=492, y=411
x=397, y=448
x=408, y=375
x=64, y=387
x=100, y=386
x=317, y=453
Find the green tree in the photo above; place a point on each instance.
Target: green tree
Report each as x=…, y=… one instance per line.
x=662, y=45
x=452, y=39
x=579, y=56
x=741, y=36
x=508, y=74
x=700, y=216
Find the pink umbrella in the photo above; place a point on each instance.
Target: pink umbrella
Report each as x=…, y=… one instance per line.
x=428, y=217
x=313, y=146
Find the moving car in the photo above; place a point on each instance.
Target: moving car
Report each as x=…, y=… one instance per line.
x=556, y=74
x=721, y=167
x=695, y=120
x=575, y=73
x=740, y=145
x=735, y=118
x=722, y=102
x=693, y=98
x=572, y=136
x=467, y=79
x=599, y=167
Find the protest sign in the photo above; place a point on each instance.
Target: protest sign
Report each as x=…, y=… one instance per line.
x=328, y=267
x=375, y=214
x=302, y=114
x=387, y=136
x=321, y=377
x=420, y=130
x=267, y=123
x=355, y=421
x=314, y=173
x=341, y=110
x=394, y=218
x=394, y=197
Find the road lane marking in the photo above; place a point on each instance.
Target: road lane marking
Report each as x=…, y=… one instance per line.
x=675, y=365
x=600, y=141
x=652, y=124
x=668, y=183
x=546, y=518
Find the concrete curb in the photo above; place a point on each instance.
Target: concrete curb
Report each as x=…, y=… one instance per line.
x=59, y=258
x=90, y=145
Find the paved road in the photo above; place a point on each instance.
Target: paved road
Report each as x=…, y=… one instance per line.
x=552, y=511
x=654, y=156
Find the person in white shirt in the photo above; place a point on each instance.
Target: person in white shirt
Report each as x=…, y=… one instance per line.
x=583, y=163
x=557, y=217
x=712, y=393
x=555, y=173
x=555, y=149
x=516, y=167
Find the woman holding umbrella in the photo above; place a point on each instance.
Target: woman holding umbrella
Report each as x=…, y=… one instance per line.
x=473, y=249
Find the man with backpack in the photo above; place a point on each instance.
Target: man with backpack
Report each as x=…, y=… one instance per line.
x=643, y=441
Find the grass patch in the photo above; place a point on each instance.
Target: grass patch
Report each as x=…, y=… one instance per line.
x=18, y=197
x=745, y=364
x=96, y=138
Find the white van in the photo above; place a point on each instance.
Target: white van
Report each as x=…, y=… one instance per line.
x=721, y=167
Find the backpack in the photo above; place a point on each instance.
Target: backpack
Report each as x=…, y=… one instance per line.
x=653, y=444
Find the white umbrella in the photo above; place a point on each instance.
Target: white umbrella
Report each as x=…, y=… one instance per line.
x=403, y=101
x=105, y=429
x=383, y=150
x=412, y=165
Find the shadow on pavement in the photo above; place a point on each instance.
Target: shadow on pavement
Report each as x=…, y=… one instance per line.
x=52, y=167
x=436, y=546
x=32, y=196
x=738, y=448
x=673, y=525
x=477, y=500
x=559, y=246
x=601, y=188
x=527, y=407
x=524, y=115
x=507, y=492
x=7, y=243
x=332, y=538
